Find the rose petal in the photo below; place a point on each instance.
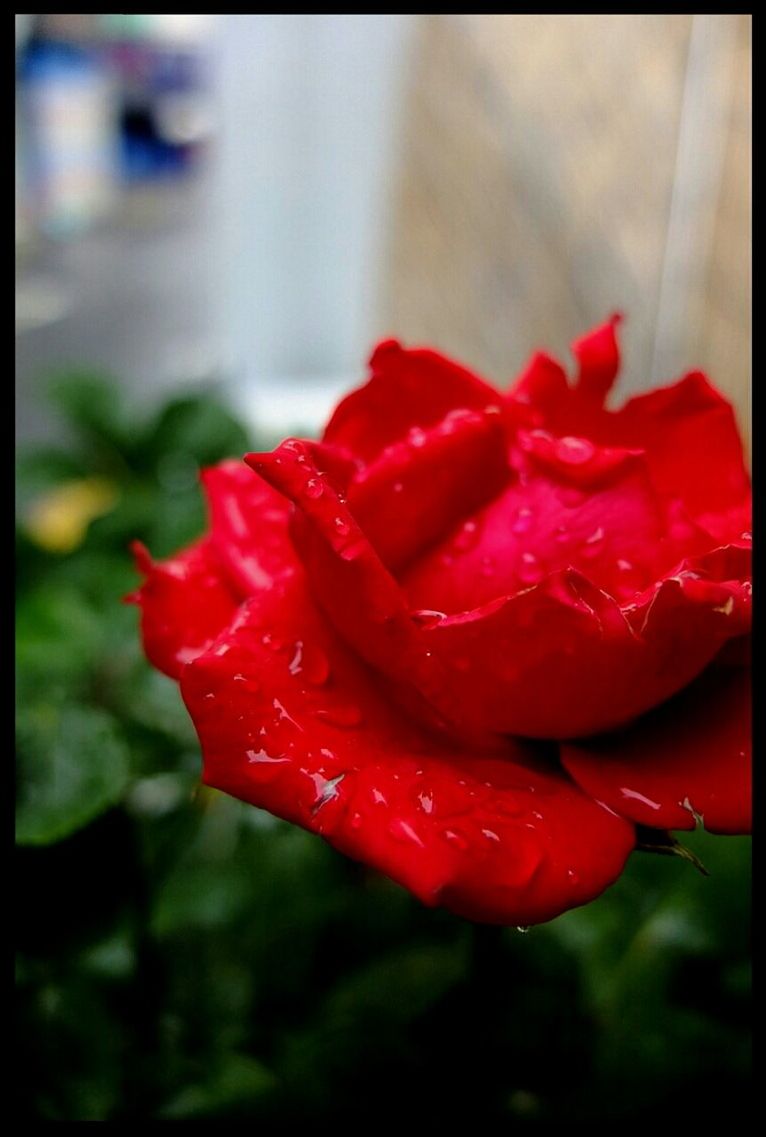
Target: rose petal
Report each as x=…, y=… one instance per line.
x=290, y=721
x=188, y=599
x=598, y=356
x=694, y=450
x=556, y=660
x=688, y=430
x=573, y=505
x=348, y=578
x=418, y=488
x=561, y=659
x=690, y=757
x=248, y=527
x=185, y=603
x=409, y=387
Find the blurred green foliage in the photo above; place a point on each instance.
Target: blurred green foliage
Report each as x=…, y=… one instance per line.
x=183, y=956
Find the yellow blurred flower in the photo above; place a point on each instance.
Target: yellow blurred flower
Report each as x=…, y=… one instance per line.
x=59, y=520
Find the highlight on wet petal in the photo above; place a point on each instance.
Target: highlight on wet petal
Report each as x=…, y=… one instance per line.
x=185, y=603
x=408, y=388
x=290, y=721
x=689, y=761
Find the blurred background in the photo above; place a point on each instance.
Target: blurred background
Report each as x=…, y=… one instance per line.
x=216, y=217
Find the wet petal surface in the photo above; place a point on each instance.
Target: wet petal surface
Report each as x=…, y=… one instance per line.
x=690, y=758
x=290, y=721
x=408, y=388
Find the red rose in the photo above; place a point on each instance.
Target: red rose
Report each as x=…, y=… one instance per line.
x=471, y=638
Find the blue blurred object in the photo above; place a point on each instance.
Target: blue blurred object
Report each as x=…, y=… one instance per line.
x=68, y=111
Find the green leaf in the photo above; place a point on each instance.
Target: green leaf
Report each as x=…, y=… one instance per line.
x=72, y=766
x=236, y=1082
x=189, y=432
x=91, y=403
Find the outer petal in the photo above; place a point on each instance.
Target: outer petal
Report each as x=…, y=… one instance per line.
x=687, y=429
x=598, y=356
x=561, y=659
x=353, y=586
x=694, y=450
x=691, y=757
x=187, y=600
x=409, y=387
x=185, y=603
x=248, y=528
x=290, y=721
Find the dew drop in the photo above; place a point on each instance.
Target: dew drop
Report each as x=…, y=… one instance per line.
x=314, y=488
x=575, y=451
x=467, y=537
x=402, y=831
x=309, y=662
x=426, y=617
x=416, y=437
x=426, y=802
x=273, y=643
x=490, y=834
x=456, y=838
x=572, y=876
x=523, y=928
x=342, y=526
x=523, y=522
x=326, y=788
x=529, y=570
x=341, y=714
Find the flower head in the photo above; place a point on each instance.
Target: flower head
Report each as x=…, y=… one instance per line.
x=473, y=638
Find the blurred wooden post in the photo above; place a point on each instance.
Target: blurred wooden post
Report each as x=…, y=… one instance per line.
x=555, y=168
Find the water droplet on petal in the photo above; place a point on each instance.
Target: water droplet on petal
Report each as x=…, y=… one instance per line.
x=572, y=876
x=467, y=537
x=266, y=767
x=403, y=831
x=310, y=662
x=342, y=526
x=529, y=570
x=426, y=617
x=416, y=436
x=314, y=488
x=326, y=788
x=490, y=834
x=523, y=522
x=456, y=838
x=340, y=714
x=575, y=451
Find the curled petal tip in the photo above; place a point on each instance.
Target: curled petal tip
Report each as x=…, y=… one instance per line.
x=142, y=559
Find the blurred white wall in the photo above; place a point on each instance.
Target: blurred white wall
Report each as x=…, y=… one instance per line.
x=309, y=114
